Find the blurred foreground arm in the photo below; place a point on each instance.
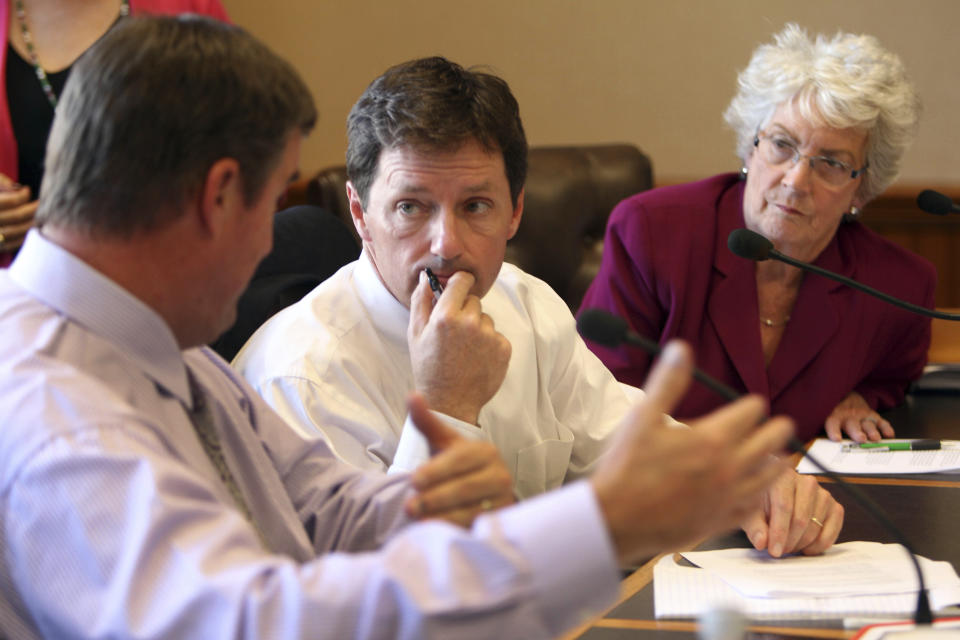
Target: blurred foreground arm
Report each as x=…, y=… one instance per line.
x=661, y=488
x=463, y=477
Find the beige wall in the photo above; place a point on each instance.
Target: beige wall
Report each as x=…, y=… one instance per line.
x=657, y=73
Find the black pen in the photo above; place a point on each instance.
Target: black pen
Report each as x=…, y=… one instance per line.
x=435, y=285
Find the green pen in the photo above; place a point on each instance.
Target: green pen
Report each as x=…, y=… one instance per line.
x=910, y=445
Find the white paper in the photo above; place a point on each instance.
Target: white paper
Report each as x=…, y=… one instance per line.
x=855, y=568
x=866, y=461
x=689, y=592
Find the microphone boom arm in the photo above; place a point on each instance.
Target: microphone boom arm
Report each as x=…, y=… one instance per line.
x=932, y=313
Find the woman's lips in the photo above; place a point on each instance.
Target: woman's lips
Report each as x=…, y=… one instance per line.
x=789, y=210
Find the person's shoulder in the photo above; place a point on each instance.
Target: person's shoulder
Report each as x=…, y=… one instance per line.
x=60, y=382
x=656, y=225
x=683, y=197
x=678, y=206
x=309, y=331
x=520, y=301
x=874, y=250
x=881, y=260
x=524, y=288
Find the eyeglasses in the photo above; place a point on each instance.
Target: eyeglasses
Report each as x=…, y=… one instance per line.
x=777, y=150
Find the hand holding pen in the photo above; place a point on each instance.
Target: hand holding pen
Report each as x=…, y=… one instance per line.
x=459, y=359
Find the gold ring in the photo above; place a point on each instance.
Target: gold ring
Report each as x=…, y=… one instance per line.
x=870, y=419
x=3, y=239
x=814, y=520
x=486, y=505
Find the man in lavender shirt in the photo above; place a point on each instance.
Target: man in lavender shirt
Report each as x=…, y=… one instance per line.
x=145, y=491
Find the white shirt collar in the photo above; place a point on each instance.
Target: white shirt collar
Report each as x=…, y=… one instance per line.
x=386, y=313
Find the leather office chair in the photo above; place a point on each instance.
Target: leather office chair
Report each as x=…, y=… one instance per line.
x=570, y=192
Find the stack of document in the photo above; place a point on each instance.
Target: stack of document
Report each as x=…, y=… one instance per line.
x=853, y=579
x=847, y=459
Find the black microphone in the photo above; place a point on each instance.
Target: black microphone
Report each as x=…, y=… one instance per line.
x=753, y=246
x=935, y=202
x=611, y=331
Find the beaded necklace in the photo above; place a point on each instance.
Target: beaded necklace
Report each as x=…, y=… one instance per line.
x=32, y=53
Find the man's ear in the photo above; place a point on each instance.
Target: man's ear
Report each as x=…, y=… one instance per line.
x=221, y=194
x=357, y=213
x=517, y=214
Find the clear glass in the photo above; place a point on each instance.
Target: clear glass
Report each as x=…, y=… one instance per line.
x=777, y=150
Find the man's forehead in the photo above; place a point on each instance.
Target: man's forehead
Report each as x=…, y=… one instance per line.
x=411, y=165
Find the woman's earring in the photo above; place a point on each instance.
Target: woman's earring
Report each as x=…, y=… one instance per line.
x=852, y=215
x=743, y=172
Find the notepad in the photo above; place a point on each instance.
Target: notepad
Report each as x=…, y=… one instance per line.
x=687, y=592
x=866, y=462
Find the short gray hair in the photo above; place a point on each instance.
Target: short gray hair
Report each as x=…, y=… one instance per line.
x=151, y=107
x=846, y=81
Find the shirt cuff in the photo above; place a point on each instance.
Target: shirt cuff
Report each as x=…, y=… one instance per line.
x=413, y=449
x=564, y=537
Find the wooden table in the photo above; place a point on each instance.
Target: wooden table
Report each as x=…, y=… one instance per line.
x=926, y=508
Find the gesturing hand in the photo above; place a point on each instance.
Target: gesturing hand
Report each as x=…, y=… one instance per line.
x=661, y=488
x=463, y=478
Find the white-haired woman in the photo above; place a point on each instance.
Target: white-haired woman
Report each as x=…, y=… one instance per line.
x=821, y=126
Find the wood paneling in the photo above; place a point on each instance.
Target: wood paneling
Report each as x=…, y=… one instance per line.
x=896, y=216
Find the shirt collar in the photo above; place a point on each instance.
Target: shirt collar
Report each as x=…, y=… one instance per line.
x=386, y=313
x=75, y=289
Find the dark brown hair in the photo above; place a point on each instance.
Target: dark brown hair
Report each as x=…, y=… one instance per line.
x=434, y=104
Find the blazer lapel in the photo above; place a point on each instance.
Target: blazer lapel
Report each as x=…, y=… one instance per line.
x=815, y=319
x=732, y=306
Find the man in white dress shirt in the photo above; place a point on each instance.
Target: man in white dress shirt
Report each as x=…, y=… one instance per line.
x=147, y=492
x=437, y=160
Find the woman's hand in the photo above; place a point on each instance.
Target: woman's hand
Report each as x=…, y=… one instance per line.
x=16, y=213
x=798, y=516
x=861, y=423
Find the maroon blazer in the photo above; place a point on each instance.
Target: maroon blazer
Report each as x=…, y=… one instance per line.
x=667, y=270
